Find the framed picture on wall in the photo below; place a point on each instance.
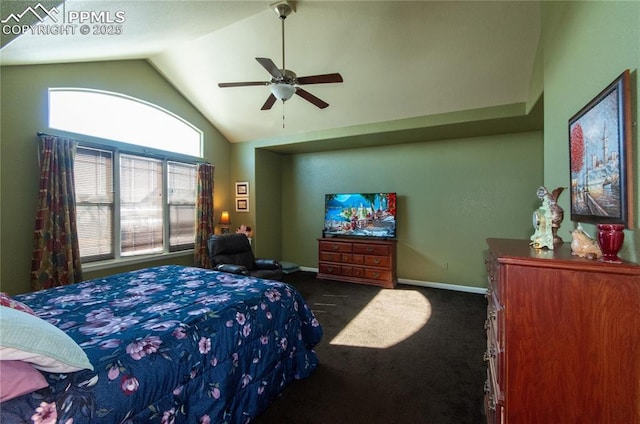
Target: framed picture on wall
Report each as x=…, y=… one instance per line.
x=600, y=157
x=242, y=189
x=242, y=204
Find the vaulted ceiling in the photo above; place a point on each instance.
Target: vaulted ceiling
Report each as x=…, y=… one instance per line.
x=407, y=65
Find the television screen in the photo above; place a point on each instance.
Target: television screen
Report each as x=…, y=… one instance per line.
x=360, y=214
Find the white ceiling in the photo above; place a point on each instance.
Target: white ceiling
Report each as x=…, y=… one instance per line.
x=399, y=59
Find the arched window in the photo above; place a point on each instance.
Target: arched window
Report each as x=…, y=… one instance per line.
x=135, y=181
x=114, y=116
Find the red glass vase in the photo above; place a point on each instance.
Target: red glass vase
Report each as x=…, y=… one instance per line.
x=610, y=239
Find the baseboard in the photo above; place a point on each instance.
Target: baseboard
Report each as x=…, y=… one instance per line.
x=431, y=284
x=304, y=268
x=444, y=286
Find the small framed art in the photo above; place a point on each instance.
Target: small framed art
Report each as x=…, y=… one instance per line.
x=600, y=157
x=242, y=204
x=242, y=189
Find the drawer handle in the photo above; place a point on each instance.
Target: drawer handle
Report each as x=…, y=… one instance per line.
x=330, y=268
x=335, y=247
x=376, y=261
x=492, y=404
x=489, y=354
x=369, y=249
x=376, y=275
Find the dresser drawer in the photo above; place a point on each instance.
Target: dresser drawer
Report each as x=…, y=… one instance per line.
x=492, y=356
x=381, y=261
x=335, y=246
x=331, y=256
x=377, y=275
x=371, y=249
x=346, y=271
x=493, y=324
x=492, y=403
x=353, y=271
x=331, y=269
x=493, y=278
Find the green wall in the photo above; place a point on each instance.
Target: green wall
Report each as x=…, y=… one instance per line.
x=586, y=46
x=269, y=195
x=452, y=195
x=24, y=113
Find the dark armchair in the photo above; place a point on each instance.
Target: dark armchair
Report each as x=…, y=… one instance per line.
x=232, y=253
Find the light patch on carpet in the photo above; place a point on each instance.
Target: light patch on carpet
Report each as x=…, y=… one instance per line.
x=389, y=318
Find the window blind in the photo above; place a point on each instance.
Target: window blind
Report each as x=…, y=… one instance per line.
x=141, y=229
x=181, y=187
x=93, y=173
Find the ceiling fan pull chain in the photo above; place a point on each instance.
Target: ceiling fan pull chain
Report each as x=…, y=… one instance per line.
x=283, y=114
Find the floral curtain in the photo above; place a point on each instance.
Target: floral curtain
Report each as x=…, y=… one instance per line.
x=204, y=214
x=56, y=253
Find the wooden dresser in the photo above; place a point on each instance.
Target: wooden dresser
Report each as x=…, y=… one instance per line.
x=364, y=261
x=563, y=337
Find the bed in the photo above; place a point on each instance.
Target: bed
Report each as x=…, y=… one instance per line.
x=168, y=344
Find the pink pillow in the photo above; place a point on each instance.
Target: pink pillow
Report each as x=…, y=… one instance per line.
x=9, y=302
x=18, y=378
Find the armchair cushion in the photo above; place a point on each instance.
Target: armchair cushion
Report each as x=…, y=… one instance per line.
x=267, y=264
x=233, y=269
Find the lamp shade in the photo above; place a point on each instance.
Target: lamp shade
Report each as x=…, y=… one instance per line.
x=224, y=218
x=283, y=91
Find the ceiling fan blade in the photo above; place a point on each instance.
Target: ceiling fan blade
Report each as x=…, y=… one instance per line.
x=270, y=101
x=242, y=84
x=270, y=67
x=320, y=79
x=311, y=98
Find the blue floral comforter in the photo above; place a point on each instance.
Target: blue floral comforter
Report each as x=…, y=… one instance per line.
x=172, y=344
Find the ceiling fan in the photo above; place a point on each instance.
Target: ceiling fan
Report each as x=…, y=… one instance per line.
x=284, y=82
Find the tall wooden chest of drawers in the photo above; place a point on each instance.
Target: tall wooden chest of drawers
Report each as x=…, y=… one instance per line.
x=563, y=337
x=363, y=261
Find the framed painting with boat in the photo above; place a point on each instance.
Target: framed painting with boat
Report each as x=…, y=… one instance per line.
x=600, y=157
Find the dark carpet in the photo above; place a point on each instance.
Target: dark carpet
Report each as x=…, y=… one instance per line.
x=408, y=355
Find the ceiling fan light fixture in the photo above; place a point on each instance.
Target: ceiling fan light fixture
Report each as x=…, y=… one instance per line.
x=283, y=91
x=284, y=82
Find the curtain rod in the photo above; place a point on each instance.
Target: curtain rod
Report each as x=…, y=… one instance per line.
x=40, y=134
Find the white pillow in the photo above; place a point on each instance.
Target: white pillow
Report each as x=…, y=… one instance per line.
x=24, y=337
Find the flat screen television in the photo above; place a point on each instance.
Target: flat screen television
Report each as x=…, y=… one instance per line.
x=360, y=215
